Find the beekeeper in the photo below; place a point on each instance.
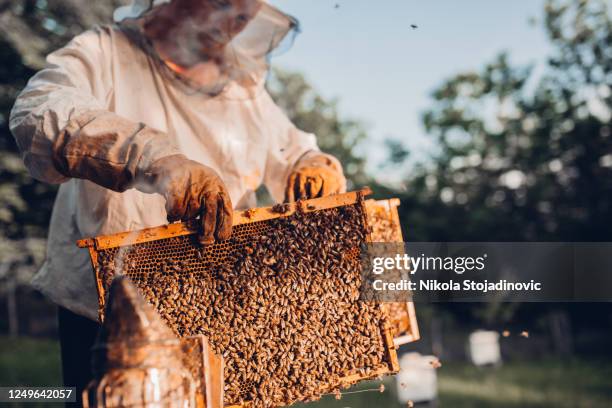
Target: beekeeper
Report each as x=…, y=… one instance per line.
x=162, y=117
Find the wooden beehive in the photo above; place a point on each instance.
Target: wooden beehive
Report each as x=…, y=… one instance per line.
x=140, y=254
x=383, y=219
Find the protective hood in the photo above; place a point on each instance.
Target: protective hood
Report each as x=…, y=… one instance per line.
x=207, y=44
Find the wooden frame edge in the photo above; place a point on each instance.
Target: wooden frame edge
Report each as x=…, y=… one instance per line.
x=240, y=217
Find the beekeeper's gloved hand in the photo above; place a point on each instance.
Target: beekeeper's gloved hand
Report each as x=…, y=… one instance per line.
x=191, y=190
x=315, y=175
x=118, y=154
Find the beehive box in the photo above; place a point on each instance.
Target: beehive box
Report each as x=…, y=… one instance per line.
x=384, y=222
x=279, y=300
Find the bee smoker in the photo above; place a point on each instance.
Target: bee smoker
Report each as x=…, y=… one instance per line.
x=137, y=361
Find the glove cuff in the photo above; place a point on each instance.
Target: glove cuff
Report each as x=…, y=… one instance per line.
x=156, y=176
x=107, y=149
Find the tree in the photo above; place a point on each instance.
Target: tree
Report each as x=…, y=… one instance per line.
x=515, y=163
x=523, y=157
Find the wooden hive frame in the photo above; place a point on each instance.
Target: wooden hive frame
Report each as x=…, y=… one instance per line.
x=127, y=239
x=405, y=325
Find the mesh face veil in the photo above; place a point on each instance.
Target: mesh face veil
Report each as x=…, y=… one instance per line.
x=209, y=44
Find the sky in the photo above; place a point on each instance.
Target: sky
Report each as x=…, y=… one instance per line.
x=382, y=70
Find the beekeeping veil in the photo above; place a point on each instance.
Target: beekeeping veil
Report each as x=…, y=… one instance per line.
x=209, y=44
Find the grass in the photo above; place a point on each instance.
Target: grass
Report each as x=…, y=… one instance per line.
x=548, y=383
x=29, y=362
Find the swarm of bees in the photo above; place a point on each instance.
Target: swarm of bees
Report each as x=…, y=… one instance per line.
x=281, y=304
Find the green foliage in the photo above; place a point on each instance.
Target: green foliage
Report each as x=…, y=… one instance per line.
x=570, y=383
x=29, y=362
x=522, y=157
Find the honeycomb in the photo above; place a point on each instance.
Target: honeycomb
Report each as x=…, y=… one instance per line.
x=384, y=222
x=185, y=263
x=143, y=259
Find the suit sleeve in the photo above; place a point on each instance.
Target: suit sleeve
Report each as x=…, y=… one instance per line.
x=288, y=145
x=63, y=127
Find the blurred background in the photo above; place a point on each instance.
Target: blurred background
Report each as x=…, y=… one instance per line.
x=489, y=120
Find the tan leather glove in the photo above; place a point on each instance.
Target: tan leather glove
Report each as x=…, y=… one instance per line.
x=315, y=175
x=191, y=190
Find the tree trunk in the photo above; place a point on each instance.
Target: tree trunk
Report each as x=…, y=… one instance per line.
x=11, y=300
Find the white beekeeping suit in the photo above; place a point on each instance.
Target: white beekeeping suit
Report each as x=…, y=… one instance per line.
x=104, y=87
